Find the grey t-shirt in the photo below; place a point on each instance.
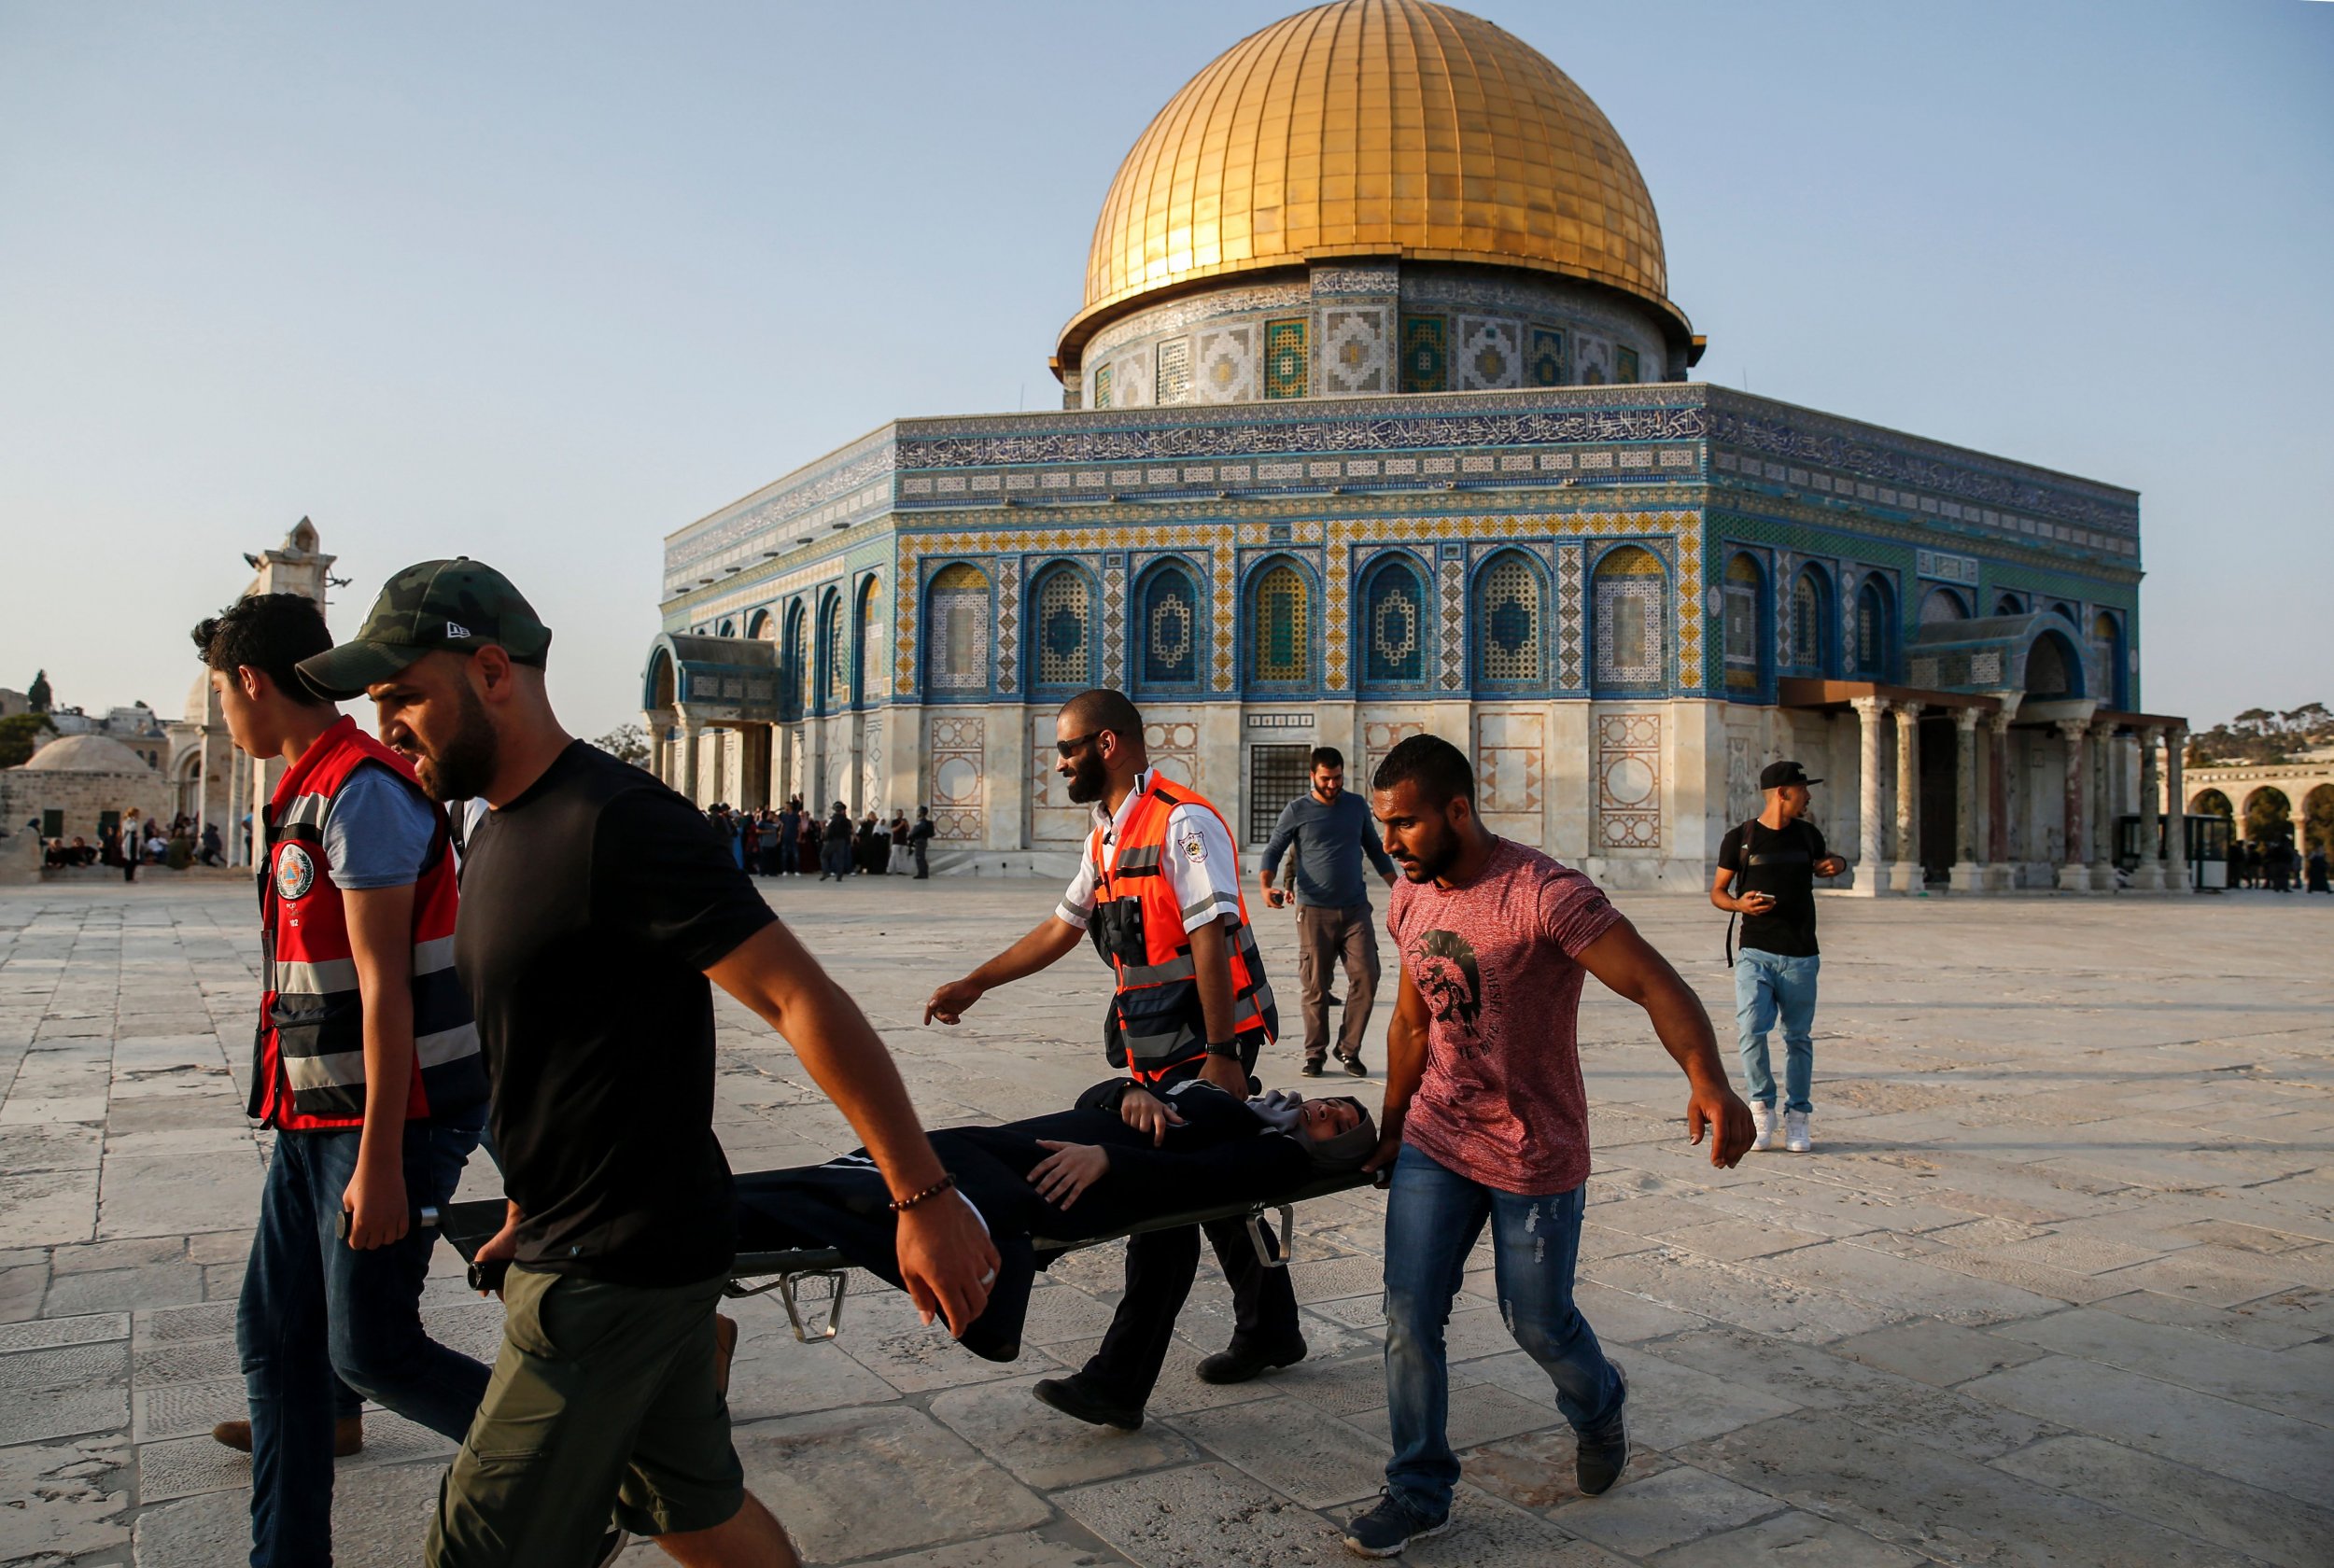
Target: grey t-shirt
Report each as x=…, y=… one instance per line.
x=1330, y=841
x=377, y=832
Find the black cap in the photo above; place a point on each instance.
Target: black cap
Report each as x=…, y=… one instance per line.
x=1777, y=775
x=460, y=605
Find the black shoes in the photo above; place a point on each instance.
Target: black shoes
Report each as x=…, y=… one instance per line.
x=1604, y=1456
x=1311, y=1070
x=1074, y=1399
x=1354, y=1068
x=1387, y=1528
x=1238, y=1366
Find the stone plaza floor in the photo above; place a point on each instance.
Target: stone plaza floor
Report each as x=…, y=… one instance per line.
x=2057, y=1285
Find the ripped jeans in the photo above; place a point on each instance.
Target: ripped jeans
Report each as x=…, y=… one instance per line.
x=1433, y=1215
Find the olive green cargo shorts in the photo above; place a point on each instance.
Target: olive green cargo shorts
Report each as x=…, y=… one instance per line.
x=602, y=1394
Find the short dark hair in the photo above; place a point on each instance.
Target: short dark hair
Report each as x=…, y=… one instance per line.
x=1101, y=707
x=1327, y=756
x=1440, y=769
x=270, y=632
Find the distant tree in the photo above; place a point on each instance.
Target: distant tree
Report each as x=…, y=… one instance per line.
x=20, y=736
x=626, y=743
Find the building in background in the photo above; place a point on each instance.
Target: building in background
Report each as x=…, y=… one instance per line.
x=1376, y=420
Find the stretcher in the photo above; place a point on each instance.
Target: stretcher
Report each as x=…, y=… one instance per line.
x=789, y=1269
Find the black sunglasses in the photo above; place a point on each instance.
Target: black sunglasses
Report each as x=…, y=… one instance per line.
x=1065, y=750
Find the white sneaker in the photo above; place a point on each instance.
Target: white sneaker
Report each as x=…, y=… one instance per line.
x=1795, y=1135
x=1762, y=1119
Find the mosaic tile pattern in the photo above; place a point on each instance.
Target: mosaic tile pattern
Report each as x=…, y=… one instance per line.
x=1062, y=637
x=1226, y=358
x=955, y=750
x=1630, y=590
x=1624, y=365
x=874, y=665
x=1629, y=780
x=1102, y=387
x=1544, y=362
x=958, y=634
x=1287, y=372
x=1745, y=586
x=1114, y=619
x=1379, y=735
x=1453, y=575
x=1280, y=640
x=1568, y=617
x=1353, y=355
x=1511, y=753
x=1174, y=745
x=832, y=653
x=1396, y=625
x=1171, y=627
x=1008, y=643
x=1172, y=380
x=1488, y=355
x=1337, y=622
x=1425, y=354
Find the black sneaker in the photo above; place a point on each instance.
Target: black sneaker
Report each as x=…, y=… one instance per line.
x=1311, y=1070
x=1389, y=1527
x=1238, y=1366
x=1074, y=1399
x=1354, y=1068
x=1603, y=1456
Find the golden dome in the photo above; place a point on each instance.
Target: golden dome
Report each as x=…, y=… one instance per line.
x=1373, y=127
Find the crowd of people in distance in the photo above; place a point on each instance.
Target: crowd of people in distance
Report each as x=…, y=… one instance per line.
x=791, y=840
x=2276, y=865
x=134, y=841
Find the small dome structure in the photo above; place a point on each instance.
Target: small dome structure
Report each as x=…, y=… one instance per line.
x=86, y=753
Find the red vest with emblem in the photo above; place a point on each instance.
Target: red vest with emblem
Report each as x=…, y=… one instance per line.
x=1156, y=1021
x=310, y=1073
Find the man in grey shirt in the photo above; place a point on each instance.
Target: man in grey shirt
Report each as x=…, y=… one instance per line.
x=1331, y=830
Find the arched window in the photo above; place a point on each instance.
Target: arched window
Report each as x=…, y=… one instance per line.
x=834, y=666
x=2009, y=604
x=1280, y=634
x=794, y=678
x=1941, y=605
x=762, y=626
x=1508, y=642
x=1875, y=624
x=1632, y=611
x=729, y=628
x=956, y=630
x=1062, y=630
x=1743, y=614
x=874, y=648
x=1169, y=630
x=1811, y=621
x=2053, y=669
x=1394, y=624
x=2107, y=658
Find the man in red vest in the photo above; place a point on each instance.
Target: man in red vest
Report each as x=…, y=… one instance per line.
x=366, y=1067
x=1158, y=892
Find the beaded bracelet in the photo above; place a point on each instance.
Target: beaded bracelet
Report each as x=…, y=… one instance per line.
x=901, y=1205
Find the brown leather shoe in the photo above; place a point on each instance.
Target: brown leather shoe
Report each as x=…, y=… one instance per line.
x=349, y=1436
x=725, y=1350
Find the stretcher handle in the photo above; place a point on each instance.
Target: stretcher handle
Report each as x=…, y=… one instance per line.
x=424, y=1218
x=839, y=1282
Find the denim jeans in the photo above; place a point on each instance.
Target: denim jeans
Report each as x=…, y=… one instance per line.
x=1433, y=1215
x=1767, y=984
x=316, y=1314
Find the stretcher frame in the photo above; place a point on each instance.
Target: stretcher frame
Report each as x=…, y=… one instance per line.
x=787, y=1269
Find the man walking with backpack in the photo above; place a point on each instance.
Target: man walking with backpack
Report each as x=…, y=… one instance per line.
x=1767, y=871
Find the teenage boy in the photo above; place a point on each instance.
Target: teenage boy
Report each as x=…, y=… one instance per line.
x=595, y=908
x=1486, y=1118
x=367, y=1071
x=1767, y=871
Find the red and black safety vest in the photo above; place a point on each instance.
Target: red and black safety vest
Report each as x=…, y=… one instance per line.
x=310, y=1071
x=1156, y=1023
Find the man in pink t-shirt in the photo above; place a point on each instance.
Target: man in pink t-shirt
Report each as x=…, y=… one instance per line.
x=1486, y=1119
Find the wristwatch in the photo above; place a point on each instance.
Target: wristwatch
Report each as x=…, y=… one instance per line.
x=1228, y=1048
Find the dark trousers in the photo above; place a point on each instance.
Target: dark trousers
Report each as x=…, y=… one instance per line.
x=924, y=860
x=834, y=859
x=1161, y=1264
x=786, y=855
x=316, y=1314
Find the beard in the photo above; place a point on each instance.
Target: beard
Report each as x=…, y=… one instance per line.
x=1088, y=779
x=1433, y=856
x=461, y=765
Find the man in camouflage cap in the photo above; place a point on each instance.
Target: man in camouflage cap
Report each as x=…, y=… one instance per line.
x=595, y=908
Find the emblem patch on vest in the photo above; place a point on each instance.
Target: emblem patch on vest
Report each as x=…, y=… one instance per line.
x=295, y=873
x=1193, y=850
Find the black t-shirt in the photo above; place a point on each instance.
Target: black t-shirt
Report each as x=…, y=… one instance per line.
x=1781, y=863
x=592, y=906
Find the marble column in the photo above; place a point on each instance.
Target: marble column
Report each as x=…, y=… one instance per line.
x=2001, y=874
x=2175, y=813
x=653, y=724
x=690, y=730
x=2149, y=877
x=2074, y=875
x=1968, y=877
x=1871, y=875
x=1905, y=876
x=2106, y=764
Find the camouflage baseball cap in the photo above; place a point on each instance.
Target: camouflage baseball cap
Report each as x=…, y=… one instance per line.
x=459, y=606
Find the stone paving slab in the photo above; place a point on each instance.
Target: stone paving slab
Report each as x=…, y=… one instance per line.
x=2056, y=1286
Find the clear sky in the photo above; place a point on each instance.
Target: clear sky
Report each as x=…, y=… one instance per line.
x=540, y=283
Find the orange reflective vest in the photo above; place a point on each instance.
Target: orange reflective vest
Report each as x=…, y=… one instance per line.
x=1156, y=1023
x=310, y=1071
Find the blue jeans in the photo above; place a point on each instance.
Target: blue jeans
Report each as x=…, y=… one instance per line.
x=316, y=1314
x=1433, y=1215
x=1767, y=984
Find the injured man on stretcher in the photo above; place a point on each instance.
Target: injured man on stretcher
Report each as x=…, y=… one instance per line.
x=1124, y=1158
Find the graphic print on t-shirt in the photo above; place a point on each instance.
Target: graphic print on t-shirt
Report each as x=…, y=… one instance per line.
x=1443, y=966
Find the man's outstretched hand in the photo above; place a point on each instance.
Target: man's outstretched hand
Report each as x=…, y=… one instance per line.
x=1717, y=1109
x=951, y=1000
x=947, y=1261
